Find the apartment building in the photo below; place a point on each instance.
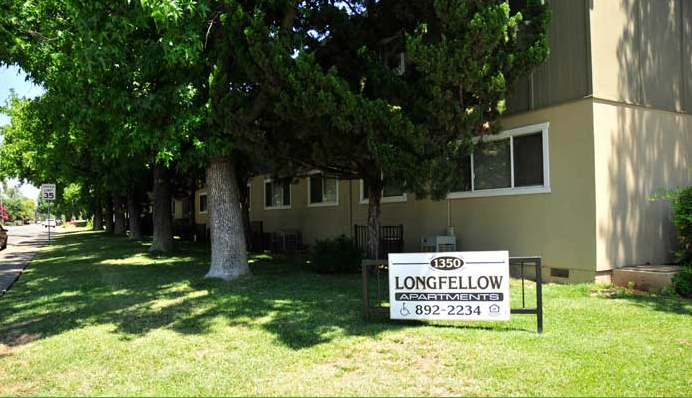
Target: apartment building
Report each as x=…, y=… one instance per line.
x=590, y=137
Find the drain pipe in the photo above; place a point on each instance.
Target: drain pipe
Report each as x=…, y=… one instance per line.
x=350, y=208
x=450, y=227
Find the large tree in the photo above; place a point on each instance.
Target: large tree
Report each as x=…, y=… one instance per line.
x=389, y=91
x=239, y=43
x=393, y=91
x=15, y=205
x=105, y=60
x=152, y=73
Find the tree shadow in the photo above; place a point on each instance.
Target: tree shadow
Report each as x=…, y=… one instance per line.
x=94, y=279
x=643, y=140
x=669, y=304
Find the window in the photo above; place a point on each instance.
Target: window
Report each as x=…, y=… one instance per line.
x=512, y=162
x=277, y=195
x=389, y=194
x=203, y=203
x=322, y=191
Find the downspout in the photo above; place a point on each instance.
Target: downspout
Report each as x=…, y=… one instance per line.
x=450, y=227
x=350, y=208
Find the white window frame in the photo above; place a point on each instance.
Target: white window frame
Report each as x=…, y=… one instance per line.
x=512, y=190
x=321, y=204
x=264, y=196
x=388, y=199
x=200, y=203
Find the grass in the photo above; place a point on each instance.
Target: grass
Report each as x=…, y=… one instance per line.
x=97, y=315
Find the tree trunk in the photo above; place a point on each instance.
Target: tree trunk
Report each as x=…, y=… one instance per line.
x=119, y=227
x=374, y=198
x=108, y=214
x=163, y=217
x=228, y=247
x=98, y=215
x=133, y=211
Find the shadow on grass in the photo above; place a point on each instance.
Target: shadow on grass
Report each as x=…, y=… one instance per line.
x=90, y=278
x=86, y=279
x=655, y=302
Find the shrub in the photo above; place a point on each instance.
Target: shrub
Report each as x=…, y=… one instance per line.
x=338, y=255
x=682, y=282
x=682, y=218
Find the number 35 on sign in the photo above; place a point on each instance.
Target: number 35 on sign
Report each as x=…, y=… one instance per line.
x=48, y=191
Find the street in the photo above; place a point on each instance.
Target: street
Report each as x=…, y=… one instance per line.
x=22, y=244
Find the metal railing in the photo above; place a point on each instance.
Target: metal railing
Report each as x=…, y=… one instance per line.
x=391, y=238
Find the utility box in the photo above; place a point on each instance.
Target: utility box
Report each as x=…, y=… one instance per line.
x=438, y=243
x=286, y=241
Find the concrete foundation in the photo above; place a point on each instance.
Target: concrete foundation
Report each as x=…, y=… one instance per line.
x=645, y=277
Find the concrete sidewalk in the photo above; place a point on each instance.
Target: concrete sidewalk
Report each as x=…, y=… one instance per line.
x=24, y=242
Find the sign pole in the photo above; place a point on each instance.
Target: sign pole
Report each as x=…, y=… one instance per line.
x=49, y=222
x=48, y=194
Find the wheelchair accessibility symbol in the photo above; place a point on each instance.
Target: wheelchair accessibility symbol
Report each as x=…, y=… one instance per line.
x=404, y=311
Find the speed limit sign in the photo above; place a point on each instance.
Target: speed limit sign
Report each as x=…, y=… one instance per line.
x=48, y=191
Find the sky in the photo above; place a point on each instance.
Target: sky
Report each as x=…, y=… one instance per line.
x=13, y=78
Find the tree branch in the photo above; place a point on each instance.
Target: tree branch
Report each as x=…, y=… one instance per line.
x=211, y=23
x=262, y=99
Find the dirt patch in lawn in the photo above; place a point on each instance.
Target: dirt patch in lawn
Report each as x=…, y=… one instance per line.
x=12, y=342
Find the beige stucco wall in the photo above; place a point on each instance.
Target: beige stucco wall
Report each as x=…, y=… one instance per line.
x=177, y=209
x=638, y=152
x=200, y=218
x=606, y=160
x=640, y=52
x=558, y=225
x=312, y=222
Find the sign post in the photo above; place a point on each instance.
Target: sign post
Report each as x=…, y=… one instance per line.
x=452, y=285
x=48, y=193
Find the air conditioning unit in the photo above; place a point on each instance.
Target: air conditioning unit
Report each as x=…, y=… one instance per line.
x=286, y=241
x=439, y=243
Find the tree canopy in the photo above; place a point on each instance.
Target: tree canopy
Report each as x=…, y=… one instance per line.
x=390, y=91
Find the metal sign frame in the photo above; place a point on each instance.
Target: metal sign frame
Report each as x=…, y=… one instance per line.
x=374, y=270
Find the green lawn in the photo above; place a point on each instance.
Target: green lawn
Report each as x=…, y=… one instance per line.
x=97, y=315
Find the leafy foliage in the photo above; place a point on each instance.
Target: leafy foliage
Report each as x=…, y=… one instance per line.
x=14, y=206
x=403, y=85
x=392, y=92
x=338, y=255
x=682, y=282
x=357, y=89
x=682, y=219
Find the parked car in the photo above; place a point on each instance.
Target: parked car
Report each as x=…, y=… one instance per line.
x=3, y=237
x=50, y=223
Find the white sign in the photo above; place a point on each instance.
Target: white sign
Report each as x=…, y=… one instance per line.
x=48, y=191
x=452, y=285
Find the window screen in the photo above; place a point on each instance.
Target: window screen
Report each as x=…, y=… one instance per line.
x=492, y=165
x=528, y=160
